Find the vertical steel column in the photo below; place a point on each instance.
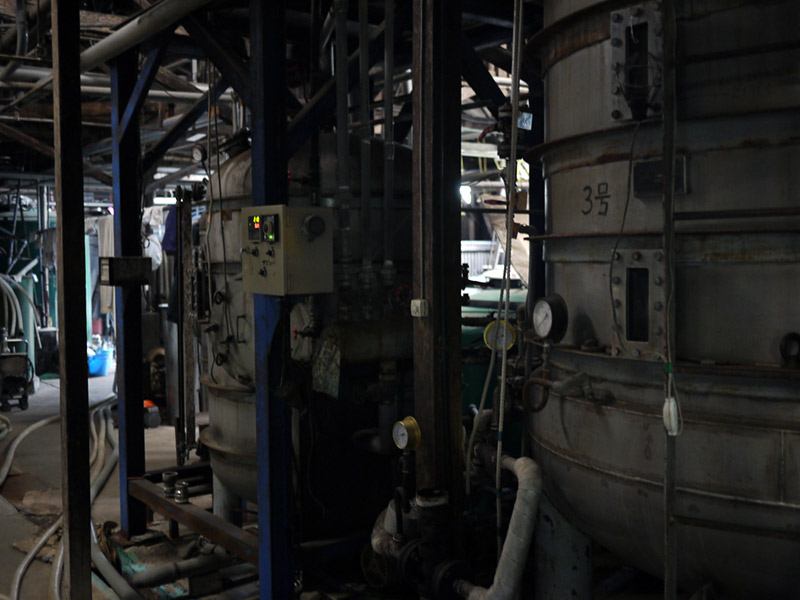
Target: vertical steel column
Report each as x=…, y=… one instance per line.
x=127, y=242
x=269, y=172
x=436, y=223
x=71, y=277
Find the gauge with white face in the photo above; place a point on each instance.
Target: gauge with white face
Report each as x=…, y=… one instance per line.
x=406, y=434
x=400, y=435
x=550, y=318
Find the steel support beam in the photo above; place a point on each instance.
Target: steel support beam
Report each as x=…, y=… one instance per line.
x=142, y=87
x=157, y=152
x=479, y=78
x=273, y=426
x=320, y=108
x=232, y=66
x=127, y=242
x=435, y=222
x=71, y=281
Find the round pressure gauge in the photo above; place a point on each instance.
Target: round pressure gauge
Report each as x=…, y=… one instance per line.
x=406, y=434
x=497, y=337
x=550, y=318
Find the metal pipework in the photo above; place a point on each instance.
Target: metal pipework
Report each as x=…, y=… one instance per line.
x=22, y=38
x=156, y=19
x=365, y=131
x=166, y=573
x=388, y=146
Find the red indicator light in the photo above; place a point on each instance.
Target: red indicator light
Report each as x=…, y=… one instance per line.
x=256, y=225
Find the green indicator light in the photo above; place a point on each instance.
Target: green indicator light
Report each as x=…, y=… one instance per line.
x=272, y=237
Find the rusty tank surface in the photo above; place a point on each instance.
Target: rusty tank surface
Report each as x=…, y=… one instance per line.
x=737, y=284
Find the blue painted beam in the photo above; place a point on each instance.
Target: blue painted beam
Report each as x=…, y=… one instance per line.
x=270, y=186
x=143, y=84
x=127, y=242
x=157, y=152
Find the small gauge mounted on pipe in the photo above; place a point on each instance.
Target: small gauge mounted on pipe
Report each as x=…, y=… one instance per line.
x=406, y=434
x=550, y=318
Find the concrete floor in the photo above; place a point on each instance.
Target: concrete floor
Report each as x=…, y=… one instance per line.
x=37, y=468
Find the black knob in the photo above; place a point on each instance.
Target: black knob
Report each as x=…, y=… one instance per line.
x=314, y=226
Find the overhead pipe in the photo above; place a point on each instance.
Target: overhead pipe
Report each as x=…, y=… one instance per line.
x=10, y=36
x=138, y=30
x=388, y=269
x=21, y=17
x=508, y=575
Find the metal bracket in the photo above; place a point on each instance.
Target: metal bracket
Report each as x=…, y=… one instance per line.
x=124, y=270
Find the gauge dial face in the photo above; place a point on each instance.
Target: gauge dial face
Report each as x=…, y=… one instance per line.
x=400, y=435
x=542, y=318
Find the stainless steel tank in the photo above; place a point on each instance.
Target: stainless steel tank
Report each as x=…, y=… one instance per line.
x=736, y=293
x=228, y=331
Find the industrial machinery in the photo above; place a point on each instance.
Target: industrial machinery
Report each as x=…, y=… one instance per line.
x=16, y=372
x=705, y=317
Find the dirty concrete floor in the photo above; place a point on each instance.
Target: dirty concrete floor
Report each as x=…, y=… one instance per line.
x=37, y=467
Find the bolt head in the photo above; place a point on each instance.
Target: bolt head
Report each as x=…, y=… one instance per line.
x=659, y=331
x=617, y=90
x=616, y=42
x=637, y=256
x=659, y=256
x=616, y=280
x=658, y=306
x=617, y=256
x=659, y=280
x=618, y=303
x=616, y=18
x=615, y=351
x=615, y=114
x=636, y=353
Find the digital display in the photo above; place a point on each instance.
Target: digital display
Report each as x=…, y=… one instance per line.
x=262, y=228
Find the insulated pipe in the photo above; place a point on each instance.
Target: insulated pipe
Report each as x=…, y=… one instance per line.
x=22, y=38
x=9, y=37
x=382, y=541
x=388, y=143
x=508, y=575
x=142, y=28
x=366, y=131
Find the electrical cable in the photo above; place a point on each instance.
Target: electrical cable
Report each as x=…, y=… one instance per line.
x=511, y=195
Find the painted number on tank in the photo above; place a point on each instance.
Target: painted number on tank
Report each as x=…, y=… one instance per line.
x=596, y=201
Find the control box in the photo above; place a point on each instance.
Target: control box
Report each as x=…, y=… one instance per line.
x=287, y=250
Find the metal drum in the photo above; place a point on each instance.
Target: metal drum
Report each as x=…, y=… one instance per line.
x=737, y=222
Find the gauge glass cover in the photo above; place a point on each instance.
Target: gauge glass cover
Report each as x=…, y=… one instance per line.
x=542, y=318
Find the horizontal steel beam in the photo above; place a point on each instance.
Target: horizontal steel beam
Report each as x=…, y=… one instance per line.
x=240, y=542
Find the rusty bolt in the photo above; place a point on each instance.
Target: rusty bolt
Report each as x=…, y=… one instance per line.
x=615, y=114
x=616, y=42
x=659, y=256
x=659, y=280
x=637, y=256
x=658, y=306
x=616, y=280
x=616, y=18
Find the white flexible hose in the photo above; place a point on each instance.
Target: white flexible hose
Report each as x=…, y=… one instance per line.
x=34, y=310
x=20, y=572
x=15, y=302
x=5, y=429
x=10, y=309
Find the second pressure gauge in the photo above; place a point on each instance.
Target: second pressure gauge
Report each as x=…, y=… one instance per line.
x=550, y=318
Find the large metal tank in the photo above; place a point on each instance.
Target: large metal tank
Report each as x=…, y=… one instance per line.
x=737, y=284
x=228, y=331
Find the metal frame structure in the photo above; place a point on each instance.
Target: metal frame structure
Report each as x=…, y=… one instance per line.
x=261, y=83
